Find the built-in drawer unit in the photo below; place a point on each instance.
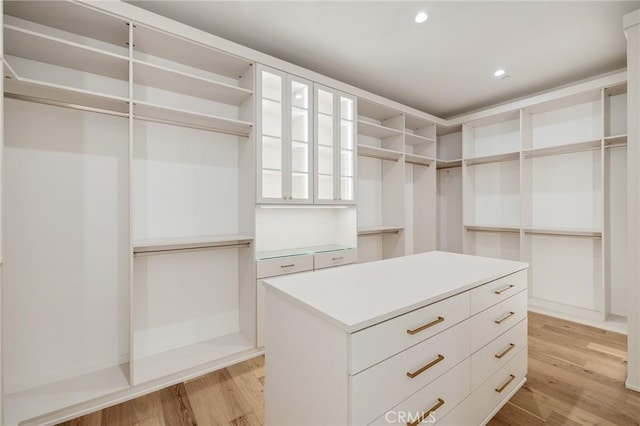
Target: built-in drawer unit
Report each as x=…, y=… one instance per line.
x=400, y=376
x=283, y=265
x=490, y=323
x=496, y=291
x=335, y=258
x=375, y=344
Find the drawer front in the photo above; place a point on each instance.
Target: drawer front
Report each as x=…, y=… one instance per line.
x=283, y=265
x=496, y=390
x=492, y=322
x=443, y=394
x=462, y=415
x=335, y=258
x=386, y=384
x=500, y=351
x=373, y=344
x=496, y=291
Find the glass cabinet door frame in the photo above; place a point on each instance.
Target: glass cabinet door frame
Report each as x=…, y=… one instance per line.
x=337, y=171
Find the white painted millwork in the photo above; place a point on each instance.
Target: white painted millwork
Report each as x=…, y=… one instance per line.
x=375, y=369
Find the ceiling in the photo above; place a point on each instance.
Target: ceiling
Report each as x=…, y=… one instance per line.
x=444, y=66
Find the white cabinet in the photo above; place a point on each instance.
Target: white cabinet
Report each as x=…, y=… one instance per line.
x=335, y=150
x=284, y=138
x=454, y=348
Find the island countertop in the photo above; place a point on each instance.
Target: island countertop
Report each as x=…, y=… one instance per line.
x=357, y=296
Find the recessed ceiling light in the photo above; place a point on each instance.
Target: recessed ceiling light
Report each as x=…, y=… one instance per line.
x=421, y=17
x=498, y=73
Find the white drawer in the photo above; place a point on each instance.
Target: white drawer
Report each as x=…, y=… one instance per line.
x=386, y=384
x=489, y=359
x=283, y=265
x=335, y=258
x=494, y=392
x=496, y=291
x=443, y=394
x=373, y=344
x=462, y=415
x=492, y=322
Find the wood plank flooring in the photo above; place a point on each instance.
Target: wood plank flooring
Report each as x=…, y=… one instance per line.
x=576, y=377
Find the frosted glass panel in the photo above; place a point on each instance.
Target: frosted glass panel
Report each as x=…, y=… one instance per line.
x=300, y=124
x=271, y=184
x=325, y=160
x=299, y=95
x=299, y=157
x=346, y=188
x=346, y=108
x=325, y=187
x=346, y=165
x=325, y=130
x=271, y=86
x=271, y=118
x=325, y=102
x=346, y=134
x=271, y=153
x=300, y=186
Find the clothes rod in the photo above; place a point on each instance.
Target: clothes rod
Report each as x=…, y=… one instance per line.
x=496, y=230
x=191, y=126
x=530, y=155
x=190, y=249
x=64, y=105
x=561, y=234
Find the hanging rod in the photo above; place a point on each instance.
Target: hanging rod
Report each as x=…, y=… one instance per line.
x=191, y=249
x=565, y=234
x=532, y=154
x=65, y=105
x=191, y=126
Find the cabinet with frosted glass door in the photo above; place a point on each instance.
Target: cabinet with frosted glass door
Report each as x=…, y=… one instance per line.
x=335, y=148
x=284, y=138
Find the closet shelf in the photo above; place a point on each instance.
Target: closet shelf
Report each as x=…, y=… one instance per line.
x=413, y=139
x=152, y=75
x=492, y=228
x=562, y=149
x=445, y=164
x=151, y=112
x=613, y=141
x=37, y=401
x=301, y=251
x=497, y=158
x=569, y=232
x=165, y=363
x=376, y=130
x=163, y=245
x=418, y=159
x=372, y=230
x=55, y=51
x=380, y=153
x=40, y=91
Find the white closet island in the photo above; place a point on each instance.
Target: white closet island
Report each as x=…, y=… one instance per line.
x=436, y=335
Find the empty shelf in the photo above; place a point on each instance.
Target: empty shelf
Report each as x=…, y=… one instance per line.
x=569, y=232
x=418, y=159
x=376, y=131
x=562, y=149
x=492, y=228
x=176, y=81
x=445, y=164
x=151, y=112
x=371, y=230
x=508, y=156
x=613, y=141
x=42, y=48
x=381, y=153
x=413, y=139
x=160, y=245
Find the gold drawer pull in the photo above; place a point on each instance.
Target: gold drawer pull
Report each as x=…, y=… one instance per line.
x=505, y=384
x=506, y=351
x=337, y=258
x=424, y=415
x=503, y=319
x=426, y=367
x=424, y=327
x=509, y=287
x=291, y=265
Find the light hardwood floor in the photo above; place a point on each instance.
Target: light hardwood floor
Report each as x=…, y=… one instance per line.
x=576, y=377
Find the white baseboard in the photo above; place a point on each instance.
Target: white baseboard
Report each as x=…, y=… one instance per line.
x=616, y=324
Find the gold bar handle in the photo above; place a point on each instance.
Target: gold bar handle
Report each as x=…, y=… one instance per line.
x=505, y=384
x=290, y=265
x=337, y=258
x=424, y=415
x=426, y=367
x=505, y=318
x=509, y=287
x=506, y=351
x=424, y=327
